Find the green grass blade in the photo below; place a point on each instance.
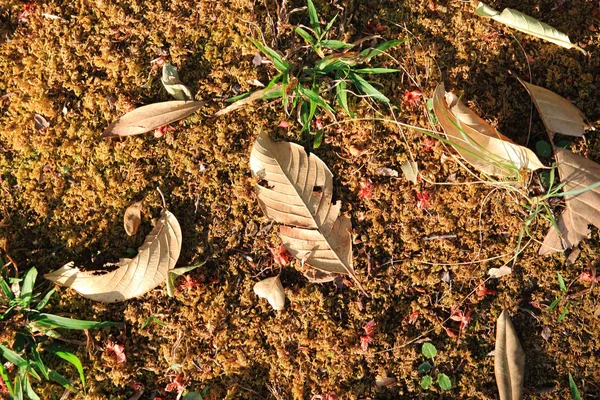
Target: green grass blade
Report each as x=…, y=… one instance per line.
x=73, y=359
x=313, y=96
x=278, y=61
x=561, y=283
x=564, y=313
x=54, y=321
x=238, y=97
x=18, y=395
x=152, y=319
x=314, y=18
x=330, y=24
x=375, y=70
x=29, y=390
x=341, y=92
x=553, y=304
x=336, y=44
x=6, y=378
x=367, y=88
x=39, y=363
x=6, y=289
x=45, y=300
x=27, y=287
x=13, y=357
x=368, y=54
x=306, y=36
x=62, y=381
x=579, y=191
x=574, y=392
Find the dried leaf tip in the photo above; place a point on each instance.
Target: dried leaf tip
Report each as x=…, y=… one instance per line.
x=133, y=218
x=509, y=362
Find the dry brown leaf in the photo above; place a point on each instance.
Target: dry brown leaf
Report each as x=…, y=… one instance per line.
x=40, y=122
x=133, y=218
x=152, y=116
x=259, y=94
x=576, y=172
x=134, y=277
x=499, y=272
x=509, y=360
x=481, y=145
x=272, y=290
x=298, y=195
x=558, y=114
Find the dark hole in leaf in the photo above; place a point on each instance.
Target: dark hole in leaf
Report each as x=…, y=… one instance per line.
x=317, y=190
x=264, y=183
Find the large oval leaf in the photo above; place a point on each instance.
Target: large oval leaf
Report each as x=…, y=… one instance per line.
x=146, y=118
x=134, y=277
x=477, y=142
x=509, y=360
x=298, y=194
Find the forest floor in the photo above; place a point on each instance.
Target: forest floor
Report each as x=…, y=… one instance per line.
x=421, y=251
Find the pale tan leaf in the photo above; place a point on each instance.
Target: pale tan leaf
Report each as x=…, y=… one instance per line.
x=152, y=116
x=314, y=275
x=133, y=218
x=499, y=272
x=476, y=141
x=558, y=114
x=385, y=381
x=524, y=23
x=172, y=84
x=272, y=290
x=134, y=277
x=577, y=173
x=259, y=94
x=410, y=170
x=509, y=360
x=298, y=195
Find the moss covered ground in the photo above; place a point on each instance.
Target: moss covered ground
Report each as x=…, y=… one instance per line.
x=64, y=189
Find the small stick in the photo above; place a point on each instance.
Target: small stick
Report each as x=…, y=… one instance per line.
x=448, y=236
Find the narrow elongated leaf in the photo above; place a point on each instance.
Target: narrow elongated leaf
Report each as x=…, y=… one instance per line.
x=341, y=92
x=524, y=23
x=73, y=359
x=368, y=54
x=573, y=386
x=274, y=91
x=477, y=142
x=134, y=277
x=558, y=114
x=13, y=357
x=5, y=378
x=314, y=17
x=150, y=117
x=172, y=84
x=298, y=195
x=336, y=44
x=577, y=173
x=133, y=218
x=278, y=61
x=272, y=290
x=49, y=321
x=367, y=88
x=509, y=363
x=306, y=36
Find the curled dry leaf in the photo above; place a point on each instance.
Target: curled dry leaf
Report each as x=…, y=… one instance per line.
x=272, y=290
x=509, y=360
x=133, y=218
x=385, y=381
x=298, y=194
x=583, y=209
x=40, y=122
x=172, y=84
x=147, y=118
x=134, y=277
x=384, y=171
x=558, y=114
x=524, y=23
x=477, y=142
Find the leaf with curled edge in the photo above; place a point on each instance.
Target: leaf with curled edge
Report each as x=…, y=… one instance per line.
x=558, y=114
x=147, y=118
x=298, y=194
x=583, y=209
x=272, y=290
x=172, y=84
x=479, y=143
x=524, y=23
x=509, y=360
x=134, y=277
